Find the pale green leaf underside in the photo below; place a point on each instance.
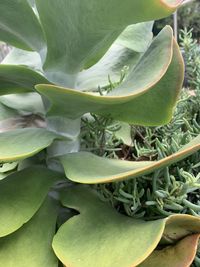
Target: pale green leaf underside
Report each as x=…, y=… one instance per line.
x=80, y=32
x=23, y=143
x=19, y=26
x=25, y=102
x=145, y=97
x=30, y=246
x=107, y=237
x=18, y=79
x=103, y=170
x=25, y=58
x=21, y=195
x=124, y=53
x=182, y=254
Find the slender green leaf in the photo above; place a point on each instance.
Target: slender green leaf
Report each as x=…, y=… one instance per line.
x=102, y=170
x=30, y=246
x=21, y=195
x=23, y=143
x=19, y=26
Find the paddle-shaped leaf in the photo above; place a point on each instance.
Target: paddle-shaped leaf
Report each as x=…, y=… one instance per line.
x=30, y=246
x=23, y=143
x=103, y=170
x=180, y=255
x=21, y=195
x=18, y=79
x=109, y=238
x=78, y=32
x=19, y=26
x=99, y=236
x=145, y=97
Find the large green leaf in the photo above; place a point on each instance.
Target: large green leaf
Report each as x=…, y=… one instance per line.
x=182, y=254
x=79, y=32
x=122, y=55
x=102, y=170
x=99, y=236
x=18, y=79
x=19, y=26
x=146, y=97
x=21, y=195
x=30, y=246
x=23, y=143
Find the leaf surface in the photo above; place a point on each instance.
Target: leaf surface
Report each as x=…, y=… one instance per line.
x=31, y=244
x=180, y=255
x=145, y=97
x=103, y=170
x=23, y=143
x=99, y=236
x=79, y=32
x=19, y=26
x=18, y=79
x=121, y=57
x=109, y=238
x=21, y=195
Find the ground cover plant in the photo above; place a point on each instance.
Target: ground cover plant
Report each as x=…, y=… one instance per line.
x=73, y=63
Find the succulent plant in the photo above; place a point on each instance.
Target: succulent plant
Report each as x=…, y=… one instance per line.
x=65, y=55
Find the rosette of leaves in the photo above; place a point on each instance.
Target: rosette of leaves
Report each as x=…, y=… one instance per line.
x=64, y=54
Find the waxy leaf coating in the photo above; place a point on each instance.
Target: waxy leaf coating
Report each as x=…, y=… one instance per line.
x=100, y=236
x=21, y=195
x=30, y=246
x=23, y=143
x=103, y=170
x=144, y=98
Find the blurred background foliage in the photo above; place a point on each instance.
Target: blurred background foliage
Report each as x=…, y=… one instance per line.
x=188, y=17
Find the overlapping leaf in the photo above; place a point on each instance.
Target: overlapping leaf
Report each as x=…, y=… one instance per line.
x=182, y=254
x=145, y=97
x=18, y=79
x=78, y=33
x=19, y=26
x=23, y=143
x=102, y=170
x=31, y=244
x=21, y=195
x=122, y=56
x=111, y=239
